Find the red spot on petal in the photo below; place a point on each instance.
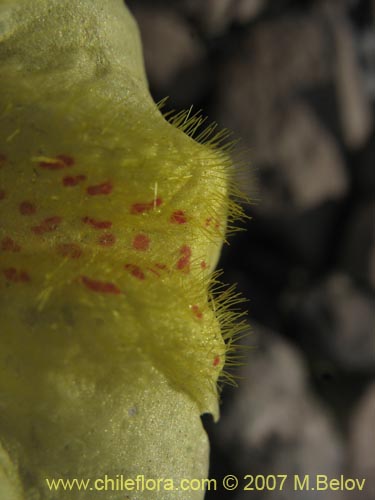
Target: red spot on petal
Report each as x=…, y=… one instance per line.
x=197, y=312
x=135, y=271
x=141, y=242
x=107, y=240
x=23, y=276
x=59, y=162
x=47, y=225
x=140, y=208
x=157, y=269
x=12, y=274
x=9, y=245
x=98, y=189
x=27, y=208
x=207, y=222
x=183, y=263
x=2, y=194
x=154, y=271
x=97, y=224
x=73, y=180
x=203, y=264
x=68, y=160
x=100, y=286
x=216, y=360
x=178, y=217
x=3, y=159
x=71, y=250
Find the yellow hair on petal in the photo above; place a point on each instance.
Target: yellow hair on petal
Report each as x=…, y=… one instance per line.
x=115, y=326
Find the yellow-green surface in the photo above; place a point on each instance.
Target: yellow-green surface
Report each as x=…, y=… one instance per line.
x=111, y=222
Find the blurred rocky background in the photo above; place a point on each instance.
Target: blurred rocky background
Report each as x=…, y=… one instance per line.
x=296, y=81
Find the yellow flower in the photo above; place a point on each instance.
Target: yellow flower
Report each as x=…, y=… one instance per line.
x=112, y=219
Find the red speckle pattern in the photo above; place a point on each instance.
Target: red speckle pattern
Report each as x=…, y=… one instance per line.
x=47, y=225
x=178, y=217
x=141, y=208
x=60, y=162
x=9, y=245
x=100, y=286
x=157, y=269
x=216, y=360
x=100, y=189
x=141, y=242
x=97, y=224
x=154, y=271
x=183, y=264
x=107, y=240
x=69, y=181
x=135, y=271
x=210, y=221
x=27, y=208
x=17, y=276
x=197, y=312
x=70, y=250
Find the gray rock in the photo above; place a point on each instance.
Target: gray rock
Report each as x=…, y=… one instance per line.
x=358, y=249
x=215, y=16
x=287, y=142
x=310, y=161
x=212, y=15
x=363, y=171
x=337, y=320
x=366, y=47
x=248, y=9
x=353, y=100
x=169, y=44
x=274, y=59
x=361, y=444
x=274, y=423
x=302, y=169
